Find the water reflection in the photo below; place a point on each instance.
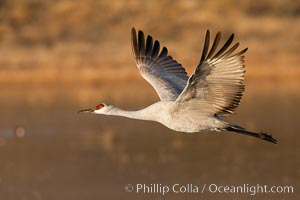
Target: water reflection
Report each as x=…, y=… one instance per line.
x=94, y=157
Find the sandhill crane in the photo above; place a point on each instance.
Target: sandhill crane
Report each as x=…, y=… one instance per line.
x=189, y=104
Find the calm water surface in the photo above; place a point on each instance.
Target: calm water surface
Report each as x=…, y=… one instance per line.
x=68, y=156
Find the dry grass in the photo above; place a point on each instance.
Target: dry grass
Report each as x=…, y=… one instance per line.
x=87, y=42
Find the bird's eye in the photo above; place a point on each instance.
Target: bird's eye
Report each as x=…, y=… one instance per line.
x=101, y=105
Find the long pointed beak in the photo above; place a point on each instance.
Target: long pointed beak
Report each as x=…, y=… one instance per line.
x=90, y=110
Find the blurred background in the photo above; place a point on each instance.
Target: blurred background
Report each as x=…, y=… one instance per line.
x=60, y=56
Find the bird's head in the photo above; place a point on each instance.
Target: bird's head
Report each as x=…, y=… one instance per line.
x=101, y=108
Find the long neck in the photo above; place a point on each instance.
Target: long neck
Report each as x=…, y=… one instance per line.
x=148, y=113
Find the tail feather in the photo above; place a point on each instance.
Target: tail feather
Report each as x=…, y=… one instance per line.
x=261, y=135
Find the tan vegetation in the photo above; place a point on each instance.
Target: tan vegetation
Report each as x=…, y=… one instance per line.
x=87, y=42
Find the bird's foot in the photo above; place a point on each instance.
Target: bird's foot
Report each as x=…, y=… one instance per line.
x=268, y=137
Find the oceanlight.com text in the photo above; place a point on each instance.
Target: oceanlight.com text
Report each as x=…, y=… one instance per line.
x=250, y=189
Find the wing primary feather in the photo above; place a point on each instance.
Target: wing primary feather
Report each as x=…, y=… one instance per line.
x=156, y=48
x=215, y=45
x=149, y=45
x=134, y=41
x=232, y=49
x=240, y=53
x=225, y=46
x=141, y=43
x=205, y=47
x=163, y=53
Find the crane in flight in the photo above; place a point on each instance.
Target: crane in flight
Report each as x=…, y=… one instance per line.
x=189, y=104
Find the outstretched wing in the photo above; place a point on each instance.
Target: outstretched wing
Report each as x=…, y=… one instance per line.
x=218, y=80
x=165, y=74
